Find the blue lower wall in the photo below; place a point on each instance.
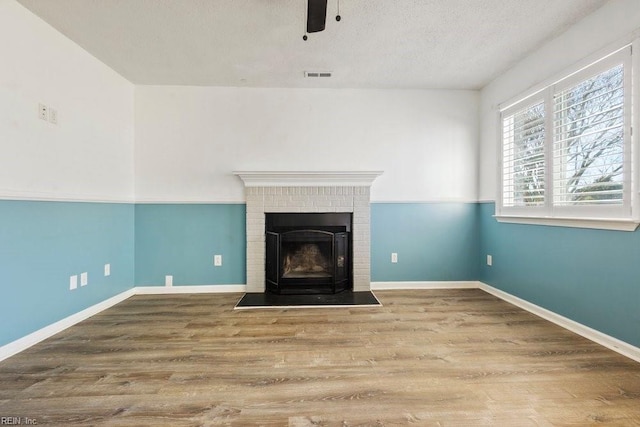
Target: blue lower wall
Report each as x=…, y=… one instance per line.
x=181, y=239
x=590, y=276
x=43, y=243
x=434, y=241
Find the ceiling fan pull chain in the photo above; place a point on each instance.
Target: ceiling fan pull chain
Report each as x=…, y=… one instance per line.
x=304, y=37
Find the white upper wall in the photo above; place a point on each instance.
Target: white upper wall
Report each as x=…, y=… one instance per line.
x=614, y=23
x=88, y=155
x=189, y=140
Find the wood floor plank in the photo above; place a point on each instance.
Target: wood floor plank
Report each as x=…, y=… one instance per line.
x=442, y=358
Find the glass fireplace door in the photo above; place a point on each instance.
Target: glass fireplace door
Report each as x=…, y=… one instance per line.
x=307, y=260
x=306, y=254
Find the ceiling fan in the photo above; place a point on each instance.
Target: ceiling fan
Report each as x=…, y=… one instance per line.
x=317, y=16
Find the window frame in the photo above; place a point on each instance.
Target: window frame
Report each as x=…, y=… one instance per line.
x=614, y=217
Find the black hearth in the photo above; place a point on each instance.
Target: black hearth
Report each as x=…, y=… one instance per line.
x=308, y=253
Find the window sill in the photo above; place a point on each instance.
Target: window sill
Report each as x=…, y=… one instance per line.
x=593, y=223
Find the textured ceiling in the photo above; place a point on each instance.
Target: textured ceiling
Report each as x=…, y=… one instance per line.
x=452, y=44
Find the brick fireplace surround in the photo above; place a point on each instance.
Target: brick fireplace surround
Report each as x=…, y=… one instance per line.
x=308, y=192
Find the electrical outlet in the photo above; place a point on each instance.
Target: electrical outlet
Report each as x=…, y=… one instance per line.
x=53, y=116
x=73, y=282
x=489, y=260
x=107, y=270
x=394, y=257
x=168, y=280
x=217, y=260
x=43, y=112
x=84, y=279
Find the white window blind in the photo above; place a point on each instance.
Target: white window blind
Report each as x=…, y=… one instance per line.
x=523, y=157
x=588, y=152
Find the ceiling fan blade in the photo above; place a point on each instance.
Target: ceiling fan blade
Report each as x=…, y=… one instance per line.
x=316, y=15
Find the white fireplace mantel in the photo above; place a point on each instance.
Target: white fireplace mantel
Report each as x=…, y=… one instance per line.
x=308, y=179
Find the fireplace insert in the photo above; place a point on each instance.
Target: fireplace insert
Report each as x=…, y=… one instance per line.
x=308, y=253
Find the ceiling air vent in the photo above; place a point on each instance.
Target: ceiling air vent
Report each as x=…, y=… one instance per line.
x=317, y=74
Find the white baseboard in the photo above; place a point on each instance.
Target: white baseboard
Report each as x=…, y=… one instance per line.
x=424, y=285
x=608, y=341
x=193, y=289
x=33, y=338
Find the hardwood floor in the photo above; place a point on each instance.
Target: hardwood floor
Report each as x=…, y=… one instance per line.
x=441, y=358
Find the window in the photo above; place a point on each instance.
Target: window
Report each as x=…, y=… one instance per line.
x=566, y=151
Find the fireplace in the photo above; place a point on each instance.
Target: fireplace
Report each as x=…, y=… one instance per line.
x=308, y=253
x=309, y=192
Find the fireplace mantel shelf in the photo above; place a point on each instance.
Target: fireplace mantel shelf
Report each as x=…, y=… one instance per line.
x=308, y=179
